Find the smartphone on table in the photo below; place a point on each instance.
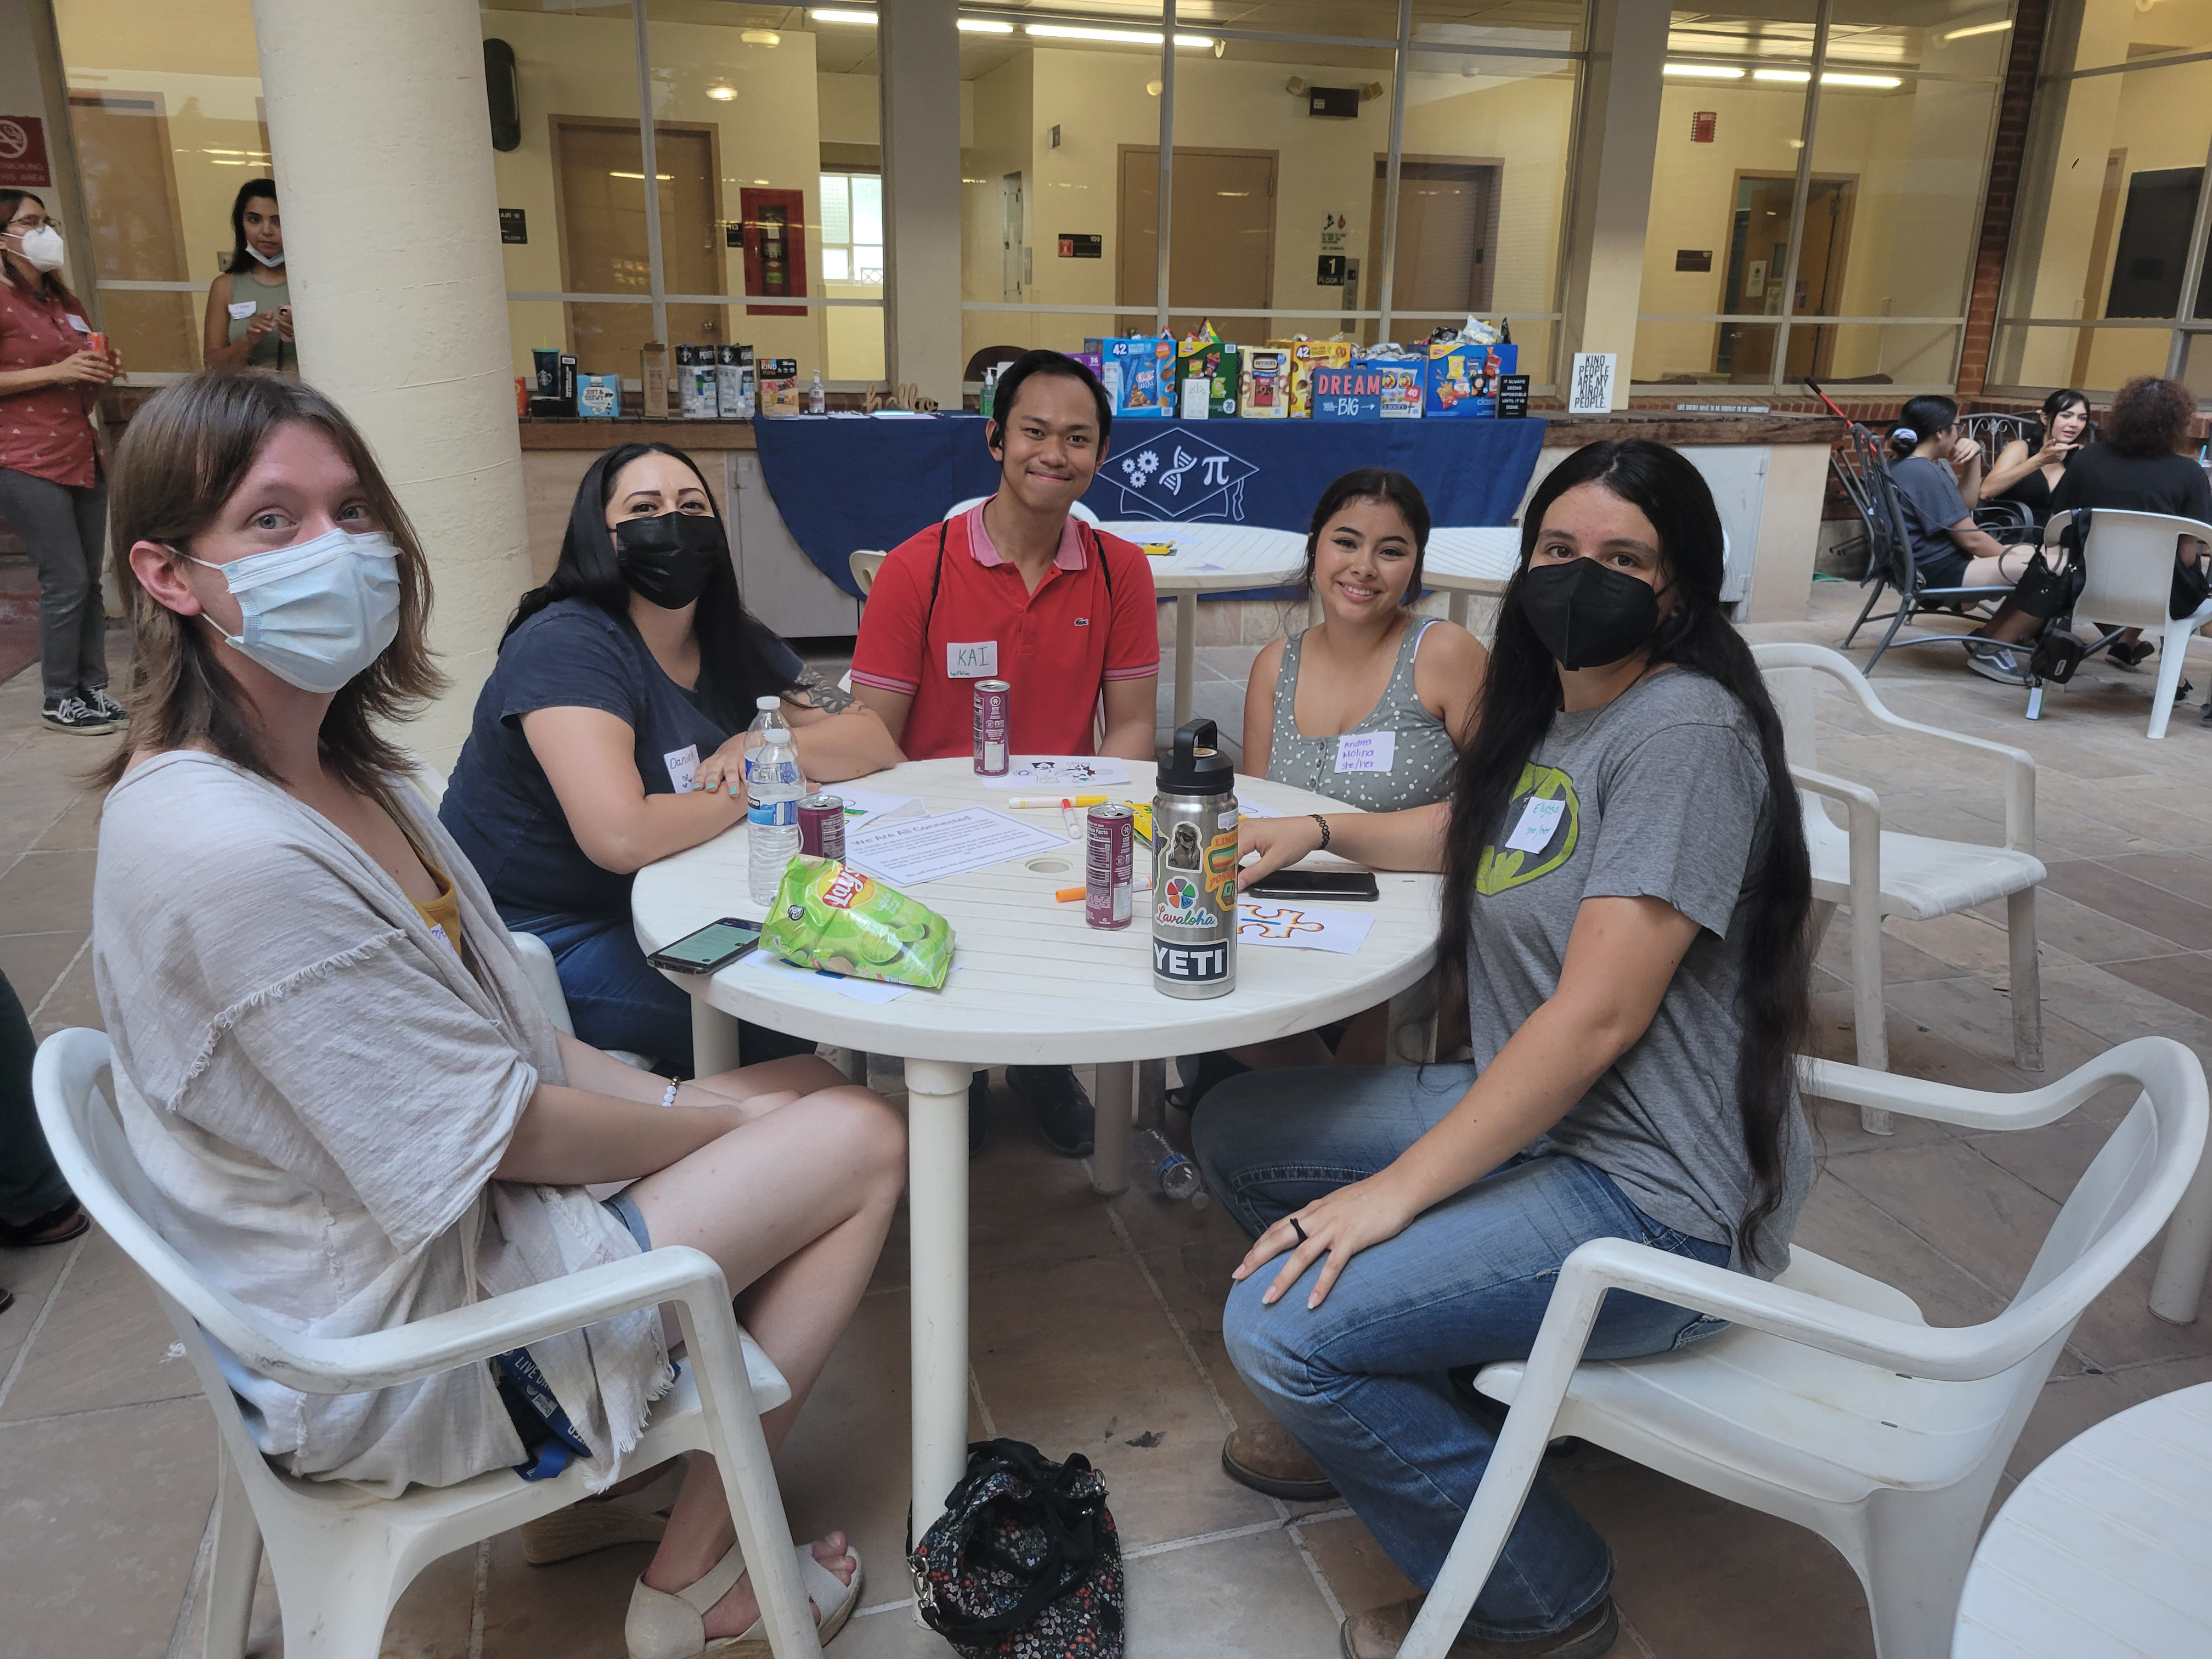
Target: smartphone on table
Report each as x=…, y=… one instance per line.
x=1351, y=885
x=717, y=945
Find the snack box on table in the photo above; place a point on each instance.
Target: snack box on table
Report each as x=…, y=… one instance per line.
x=599, y=397
x=1139, y=374
x=1462, y=377
x=778, y=385
x=1306, y=357
x=1265, y=384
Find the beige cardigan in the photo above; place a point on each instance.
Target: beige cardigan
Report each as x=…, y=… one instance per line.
x=320, y=1092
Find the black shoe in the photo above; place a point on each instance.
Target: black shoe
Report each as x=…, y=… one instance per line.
x=68, y=712
x=2131, y=657
x=1996, y=661
x=97, y=700
x=979, y=1111
x=1063, y=1112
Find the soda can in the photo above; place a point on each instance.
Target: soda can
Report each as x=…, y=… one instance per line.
x=96, y=342
x=1108, y=865
x=822, y=827
x=994, y=720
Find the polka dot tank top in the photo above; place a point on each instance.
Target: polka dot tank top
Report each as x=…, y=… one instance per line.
x=1422, y=755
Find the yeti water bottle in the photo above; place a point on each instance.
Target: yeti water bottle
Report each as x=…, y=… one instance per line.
x=1195, y=868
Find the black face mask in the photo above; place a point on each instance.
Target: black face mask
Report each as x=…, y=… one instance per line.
x=1586, y=615
x=668, y=561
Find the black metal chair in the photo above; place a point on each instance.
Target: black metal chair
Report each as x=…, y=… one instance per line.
x=1862, y=470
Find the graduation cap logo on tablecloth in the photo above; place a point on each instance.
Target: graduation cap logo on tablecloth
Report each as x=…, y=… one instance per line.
x=1180, y=476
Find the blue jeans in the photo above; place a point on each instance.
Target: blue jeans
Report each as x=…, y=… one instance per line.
x=1363, y=1382
x=616, y=1000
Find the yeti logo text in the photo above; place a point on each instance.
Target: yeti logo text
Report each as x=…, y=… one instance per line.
x=1181, y=476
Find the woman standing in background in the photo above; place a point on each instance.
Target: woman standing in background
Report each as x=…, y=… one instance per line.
x=52, y=487
x=249, y=308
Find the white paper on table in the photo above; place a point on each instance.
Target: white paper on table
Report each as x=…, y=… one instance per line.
x=861, y=990
x=905, y=852
x=898, y=415
x=1059, y=773
x=867, y=805
x=1291, y=927
x=1253, y=809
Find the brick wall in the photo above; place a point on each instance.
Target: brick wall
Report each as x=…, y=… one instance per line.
x=2027, y=56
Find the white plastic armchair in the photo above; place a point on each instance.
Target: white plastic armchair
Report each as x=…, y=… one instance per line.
x=1878, y=872
x=342, y=1558
x=2128, y=582
x=1830, y=1402
x=545, y=976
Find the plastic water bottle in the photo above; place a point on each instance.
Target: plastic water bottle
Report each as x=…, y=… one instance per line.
x=1160, y=1169
x=773, y=787
x=816, y=399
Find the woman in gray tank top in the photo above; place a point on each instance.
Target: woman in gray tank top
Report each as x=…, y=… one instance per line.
x=249, y=308
x=1363, y=706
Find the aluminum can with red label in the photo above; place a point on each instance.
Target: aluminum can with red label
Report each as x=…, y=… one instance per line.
x=995, y=724
x=822, y=827
x=1108, y=865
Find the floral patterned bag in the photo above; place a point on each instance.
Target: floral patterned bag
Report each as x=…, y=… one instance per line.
x=1024, y=1563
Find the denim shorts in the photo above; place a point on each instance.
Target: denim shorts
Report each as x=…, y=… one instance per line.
x=626, y=1212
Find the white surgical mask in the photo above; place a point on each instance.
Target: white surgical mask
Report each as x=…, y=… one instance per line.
x=43, y=248
x=269, y=260
x=317, y=612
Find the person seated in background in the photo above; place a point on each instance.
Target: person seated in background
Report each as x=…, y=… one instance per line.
x=1625, y=878
x=1017, y=589
x=351, y=1111
x=1408, y=686
x=2029, y=467
x=2139, y=468
x=249, y=305
x=1950, y=550
x=612, y=733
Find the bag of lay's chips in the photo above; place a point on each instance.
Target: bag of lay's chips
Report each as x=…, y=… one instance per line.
x=828, y=914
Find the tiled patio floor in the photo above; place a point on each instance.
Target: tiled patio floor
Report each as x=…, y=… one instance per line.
x=1097, y=1325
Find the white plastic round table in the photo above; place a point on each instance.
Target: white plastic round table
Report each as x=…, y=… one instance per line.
x=1031, y=984
x=1210, y=558
x=2104, y=1551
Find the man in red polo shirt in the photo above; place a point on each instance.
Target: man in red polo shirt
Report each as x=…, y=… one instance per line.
x=1019, y=590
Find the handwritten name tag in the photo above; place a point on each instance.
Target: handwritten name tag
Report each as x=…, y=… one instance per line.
x=978, y=662
x=78, y=323
x=682, y=765
x=242, y=309
x=1539, y=818
x=1366, y=752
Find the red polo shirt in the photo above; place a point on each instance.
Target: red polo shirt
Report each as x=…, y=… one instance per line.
x=947, y=609
x=47, y=433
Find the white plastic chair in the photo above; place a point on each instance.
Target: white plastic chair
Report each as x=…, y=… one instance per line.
x=2128, y=582
x=545, y=976
x=1831, y=1403
x=865, y=562
x=1878, y=872
x=341, y=1556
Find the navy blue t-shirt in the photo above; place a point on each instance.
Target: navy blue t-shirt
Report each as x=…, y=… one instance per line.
x=500, y=805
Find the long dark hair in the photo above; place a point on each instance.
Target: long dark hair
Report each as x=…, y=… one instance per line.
x=239, y=259
x=734, y=669
x=1373, y=484
x=51, y=280
x=181, y=459
x=1921, y=418
x=1519, y=697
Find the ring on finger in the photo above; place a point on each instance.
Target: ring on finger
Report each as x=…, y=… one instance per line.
x=1296, y=1229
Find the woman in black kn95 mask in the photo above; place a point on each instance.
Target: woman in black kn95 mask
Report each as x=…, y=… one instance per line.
x=1625, y=881
x=612, y=733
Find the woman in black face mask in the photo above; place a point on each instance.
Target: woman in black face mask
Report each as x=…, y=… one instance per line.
x=1626, y=880
x=612, y=733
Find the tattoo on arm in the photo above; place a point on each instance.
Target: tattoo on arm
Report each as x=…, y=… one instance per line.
x=823, y=694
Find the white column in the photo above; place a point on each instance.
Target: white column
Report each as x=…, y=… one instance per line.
x=918, y=48
x=382, y=142
x=1613, y=185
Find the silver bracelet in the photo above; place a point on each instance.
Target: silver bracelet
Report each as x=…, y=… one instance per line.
x=669, y=1099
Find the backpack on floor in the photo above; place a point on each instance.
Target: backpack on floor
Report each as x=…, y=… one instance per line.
x=1024, y=1563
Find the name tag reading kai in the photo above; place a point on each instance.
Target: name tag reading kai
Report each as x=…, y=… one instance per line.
x=1539, y=818
x=1366, y=752
x=978, y=662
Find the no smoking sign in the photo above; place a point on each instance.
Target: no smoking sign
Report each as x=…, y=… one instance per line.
x=23, y=152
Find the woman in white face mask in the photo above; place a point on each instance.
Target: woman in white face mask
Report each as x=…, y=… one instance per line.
x=52, y=489
x=352, y=1109
x=249, y=307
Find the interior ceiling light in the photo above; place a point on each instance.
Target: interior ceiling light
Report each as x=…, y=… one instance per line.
x=760, y=38
x=985, y=25
x=1706, y=71
x=1828, y=78
x=836, y=15
x=721, y=93
x=1979, y=29
x=1117, y=37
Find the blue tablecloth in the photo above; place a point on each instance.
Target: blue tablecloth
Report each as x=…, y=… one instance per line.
x=847, y=485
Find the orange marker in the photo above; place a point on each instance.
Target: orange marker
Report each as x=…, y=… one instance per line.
x=1067, y=895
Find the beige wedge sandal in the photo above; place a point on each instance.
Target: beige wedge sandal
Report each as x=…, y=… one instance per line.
x=672, y=1624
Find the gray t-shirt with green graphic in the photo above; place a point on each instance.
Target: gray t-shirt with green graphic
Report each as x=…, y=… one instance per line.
x=1660, y=793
